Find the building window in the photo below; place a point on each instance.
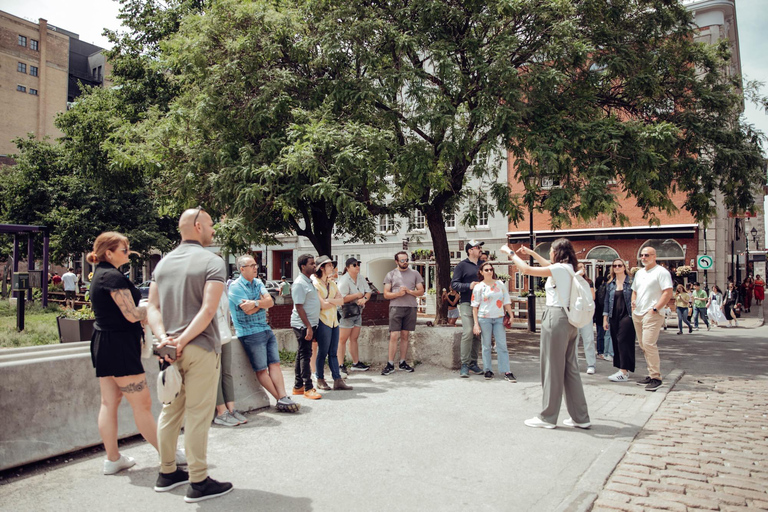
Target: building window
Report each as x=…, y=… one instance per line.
x=386, y=223
x=417, y=221
x=549, y=182
x=21, y=67
x=482, y=215
x=21, y=88
x=33, y=92
x=33, y=44
x=603, y=253
x=22, y=41
x=33, y=70
x=519, y=281
x=450, y=221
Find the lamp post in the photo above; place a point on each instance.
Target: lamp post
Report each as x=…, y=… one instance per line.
x=753, y=232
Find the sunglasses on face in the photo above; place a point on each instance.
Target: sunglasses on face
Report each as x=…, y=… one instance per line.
x=356, y=264
x=645, y=255
x=617, y=266
x=402, y=261
x=487, y=270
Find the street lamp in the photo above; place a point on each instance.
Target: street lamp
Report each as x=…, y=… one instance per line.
x=754, y=237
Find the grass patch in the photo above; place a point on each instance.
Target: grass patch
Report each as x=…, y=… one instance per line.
x=39, y=325
x=287, y=357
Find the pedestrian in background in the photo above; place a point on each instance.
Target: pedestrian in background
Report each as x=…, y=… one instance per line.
x=715, y=310
x=356, y=293
x=328, y=328
x=730, y=299
x=69, y=280
x=749, y=286
x=682, y=301
x=617, y=320
x=759, y=290
x=559, y=363
x=402, y=286
x=700, y=305
x=304, y=319
x=651, y=291
x=603, y=338
x=490, y=298
x=463, y=281
x=451, y=298
x=587, y=333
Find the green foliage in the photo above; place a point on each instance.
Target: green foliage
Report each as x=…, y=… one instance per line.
x=39, y=326
x=287, y=356
x=84, y=313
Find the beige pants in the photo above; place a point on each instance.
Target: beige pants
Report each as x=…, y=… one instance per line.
x=647, y=328
x=199, y=371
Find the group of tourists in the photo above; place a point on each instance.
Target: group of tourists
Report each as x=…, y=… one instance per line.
x=190, y=307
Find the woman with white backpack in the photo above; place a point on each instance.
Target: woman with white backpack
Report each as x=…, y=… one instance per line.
x=559, y=364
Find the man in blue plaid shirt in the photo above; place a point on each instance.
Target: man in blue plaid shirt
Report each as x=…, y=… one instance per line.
x=248, y=303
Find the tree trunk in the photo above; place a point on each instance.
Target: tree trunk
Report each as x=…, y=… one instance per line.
x=436, y=225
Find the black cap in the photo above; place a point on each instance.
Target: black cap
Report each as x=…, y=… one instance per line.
x=473, y=243
x=351, y=261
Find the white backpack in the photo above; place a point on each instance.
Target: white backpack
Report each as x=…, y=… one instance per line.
x=582, y=307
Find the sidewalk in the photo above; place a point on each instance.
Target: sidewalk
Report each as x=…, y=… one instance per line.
x=422, y=441
x=706, y=448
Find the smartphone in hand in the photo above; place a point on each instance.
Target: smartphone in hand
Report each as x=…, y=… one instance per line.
x=167, y=350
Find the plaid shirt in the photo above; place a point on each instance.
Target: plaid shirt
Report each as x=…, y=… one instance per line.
x=241, y=290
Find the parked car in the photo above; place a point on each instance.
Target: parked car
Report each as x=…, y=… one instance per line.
x=273, y=287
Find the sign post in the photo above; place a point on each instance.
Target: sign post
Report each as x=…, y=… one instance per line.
x=705, y=262
x=20, y=283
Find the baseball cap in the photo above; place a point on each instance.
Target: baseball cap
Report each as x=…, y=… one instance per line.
x=351, y=261
x=473, y=243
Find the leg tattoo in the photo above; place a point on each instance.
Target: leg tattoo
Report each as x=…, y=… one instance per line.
x=134, y=387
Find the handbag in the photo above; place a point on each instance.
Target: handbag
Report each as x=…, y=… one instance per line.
x=507, y=321
x=350, y=310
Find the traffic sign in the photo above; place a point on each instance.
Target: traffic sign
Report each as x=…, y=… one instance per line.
x=704, y=262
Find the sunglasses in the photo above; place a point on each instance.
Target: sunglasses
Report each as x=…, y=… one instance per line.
x=618, y=266
x=199, y=209
x=487, y=270
x=645, y=255
x=354, y=265
x=402, y=261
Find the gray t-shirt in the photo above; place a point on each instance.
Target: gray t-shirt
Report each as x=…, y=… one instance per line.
x=349, y=287
x=408, y=278
x=181, y=276
x=305, y=293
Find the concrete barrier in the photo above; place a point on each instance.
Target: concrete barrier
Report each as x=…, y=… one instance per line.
x=50, y=400
x=439, y=346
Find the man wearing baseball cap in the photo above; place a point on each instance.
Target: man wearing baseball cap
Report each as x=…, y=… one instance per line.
x=464, y=280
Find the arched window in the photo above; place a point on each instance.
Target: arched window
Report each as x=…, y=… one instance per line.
x=665, y=250
x=543, y=249
x=603, y=253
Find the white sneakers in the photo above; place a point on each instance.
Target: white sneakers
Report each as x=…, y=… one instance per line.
x=112, y=467
x=619, y=376
x=570, y=423
x=591, y=370
x=538, y=423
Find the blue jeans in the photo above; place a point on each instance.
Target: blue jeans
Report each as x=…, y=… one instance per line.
x=327, y=346
x=608, y=344
x=682, y=318
x=700, y=312
x=588, y=339
x=261, y=348
x=494, y=327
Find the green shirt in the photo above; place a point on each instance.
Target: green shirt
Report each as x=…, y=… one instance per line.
x=700, y=298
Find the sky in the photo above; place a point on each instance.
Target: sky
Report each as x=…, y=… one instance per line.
x=88, y=18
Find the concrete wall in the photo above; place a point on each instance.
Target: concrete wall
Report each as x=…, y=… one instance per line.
x=50, y=400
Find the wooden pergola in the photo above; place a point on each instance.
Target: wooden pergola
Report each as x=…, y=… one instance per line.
x=18, y=230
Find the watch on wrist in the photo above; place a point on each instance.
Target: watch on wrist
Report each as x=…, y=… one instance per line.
x=655, y=310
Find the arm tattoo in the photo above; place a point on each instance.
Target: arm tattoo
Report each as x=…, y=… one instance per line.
x=124, y=301
x=135, y=387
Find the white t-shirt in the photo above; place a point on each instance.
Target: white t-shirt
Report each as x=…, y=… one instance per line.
x=558, y=286
x=490, y=300
x=648, y=286
x=69, y=280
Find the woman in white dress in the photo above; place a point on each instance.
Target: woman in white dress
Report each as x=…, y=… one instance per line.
x=713, y=311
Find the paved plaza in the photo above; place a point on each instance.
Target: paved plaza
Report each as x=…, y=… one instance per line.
x=432, y=441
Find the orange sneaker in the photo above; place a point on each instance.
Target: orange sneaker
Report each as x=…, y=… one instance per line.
x=298, y=391
x=312, y=394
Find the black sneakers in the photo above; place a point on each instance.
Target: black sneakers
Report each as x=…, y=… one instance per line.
x=510, y=377
x=644, y=381
x=168, y=481
x=206, y=490
x=404, y=367
x=653, y=385
x=388, y=369
x=488, y=375
x=343, y=369
x=359, y=367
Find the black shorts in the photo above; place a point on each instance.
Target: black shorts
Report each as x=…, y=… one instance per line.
x=402, y=318
x=70, y=295
x=116, y=353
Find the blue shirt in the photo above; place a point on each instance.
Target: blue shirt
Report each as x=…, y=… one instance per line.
x=304, y=293
x=241, y=290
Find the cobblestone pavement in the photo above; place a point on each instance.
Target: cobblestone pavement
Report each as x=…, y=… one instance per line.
x=706, y=448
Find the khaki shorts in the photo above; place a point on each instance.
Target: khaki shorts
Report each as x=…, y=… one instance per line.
x=402, y=318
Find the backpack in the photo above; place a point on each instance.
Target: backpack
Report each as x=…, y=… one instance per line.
x=582, y=305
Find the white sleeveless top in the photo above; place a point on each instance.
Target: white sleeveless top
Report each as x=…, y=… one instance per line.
x=558, y=286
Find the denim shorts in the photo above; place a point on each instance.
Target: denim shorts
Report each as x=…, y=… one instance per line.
x=261, y=348
x=351, y=322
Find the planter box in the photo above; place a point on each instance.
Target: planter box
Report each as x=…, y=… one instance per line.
x=71, y=330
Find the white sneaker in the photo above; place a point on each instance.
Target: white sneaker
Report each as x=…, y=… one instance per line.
x=226, y=420
x=607, y=357
x=591, y=370
x=619, y=377
x=112, y=467
x=314, y=377
x=570, y=423
x=538, y=423
x=181, y=458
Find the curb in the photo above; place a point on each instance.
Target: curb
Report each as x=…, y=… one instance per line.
x=586, y=490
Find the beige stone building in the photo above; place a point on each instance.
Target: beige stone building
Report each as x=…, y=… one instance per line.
x=40, y=68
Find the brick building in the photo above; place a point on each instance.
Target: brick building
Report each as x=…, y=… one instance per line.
x=679, y=239
x=40, y=67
